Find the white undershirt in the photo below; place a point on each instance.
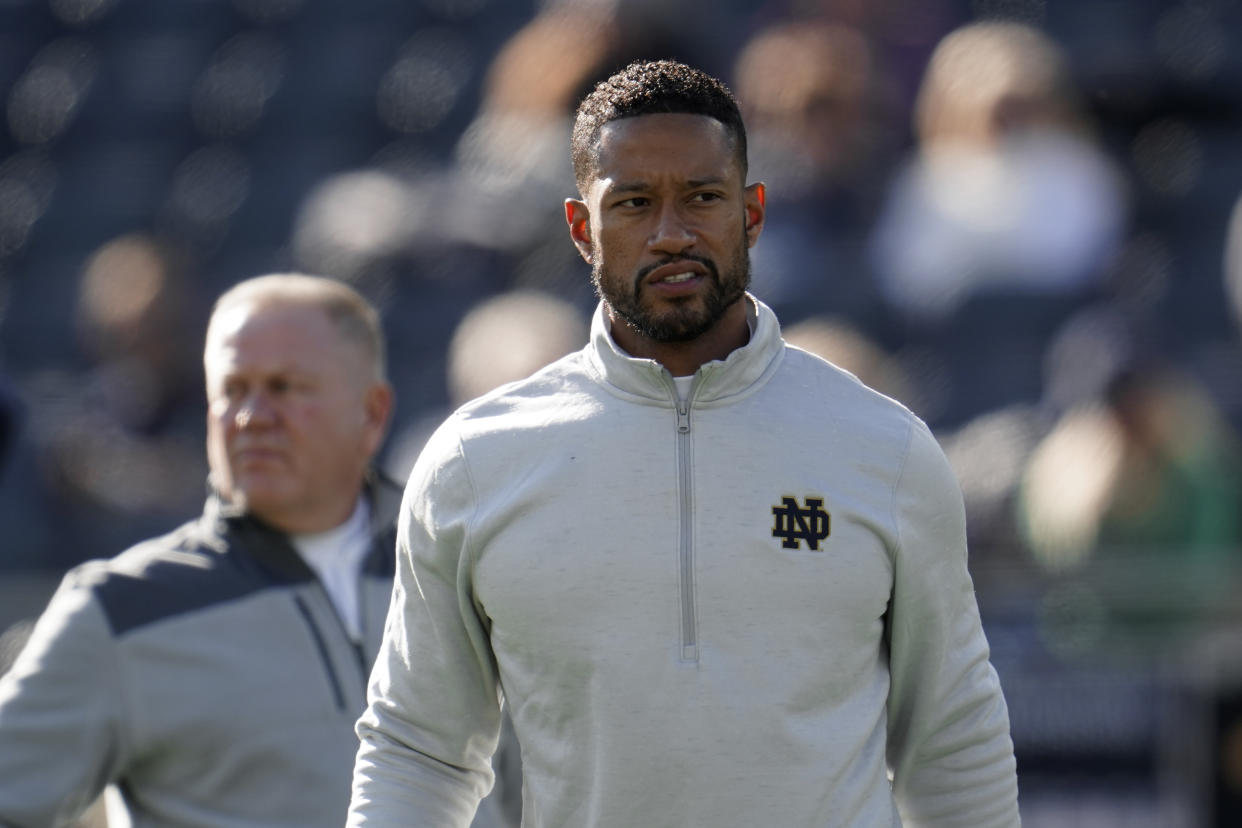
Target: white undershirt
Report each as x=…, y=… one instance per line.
x=336, y=555
x=683, y=386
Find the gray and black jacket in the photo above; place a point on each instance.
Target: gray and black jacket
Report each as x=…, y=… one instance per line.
x=204, y=675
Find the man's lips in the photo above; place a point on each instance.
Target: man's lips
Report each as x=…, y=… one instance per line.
x=676, y=274
x=254, y=455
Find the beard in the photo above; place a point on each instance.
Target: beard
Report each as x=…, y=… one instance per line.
x=690, y=317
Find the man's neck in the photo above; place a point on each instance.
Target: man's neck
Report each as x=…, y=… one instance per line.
x=682, y=359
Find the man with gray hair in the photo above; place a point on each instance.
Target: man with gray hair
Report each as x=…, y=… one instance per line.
x=212, y=676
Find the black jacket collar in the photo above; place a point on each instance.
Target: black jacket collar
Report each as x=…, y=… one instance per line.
x=230, y=530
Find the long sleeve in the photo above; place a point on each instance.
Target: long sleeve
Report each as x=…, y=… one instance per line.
x=62, y=721
x=949, y=745
x=433, y=715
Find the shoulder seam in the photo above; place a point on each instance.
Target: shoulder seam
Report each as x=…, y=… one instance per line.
x=123, y=615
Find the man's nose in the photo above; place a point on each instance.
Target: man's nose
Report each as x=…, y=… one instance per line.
x=254, y=411
x=672, y=233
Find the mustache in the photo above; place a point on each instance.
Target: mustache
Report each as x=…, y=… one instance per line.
x=684, y=257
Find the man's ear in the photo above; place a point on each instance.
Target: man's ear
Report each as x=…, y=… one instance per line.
x=578, y=217
x=377, y=405
x=755, y=199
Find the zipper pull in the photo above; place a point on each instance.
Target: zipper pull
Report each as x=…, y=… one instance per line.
x=683, y=417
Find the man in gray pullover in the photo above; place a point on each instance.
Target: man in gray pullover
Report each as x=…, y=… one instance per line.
x=212, y=677
x=715, y=579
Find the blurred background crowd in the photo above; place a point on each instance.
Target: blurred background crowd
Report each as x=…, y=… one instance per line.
x=1018, y=217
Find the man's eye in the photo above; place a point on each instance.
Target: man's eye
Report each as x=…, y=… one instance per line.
x=636, y=201
x=703, y=197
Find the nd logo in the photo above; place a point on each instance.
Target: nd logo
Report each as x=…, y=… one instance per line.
x=793, y=523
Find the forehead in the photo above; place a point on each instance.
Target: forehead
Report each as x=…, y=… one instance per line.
x=271, y=337
x=676, y=146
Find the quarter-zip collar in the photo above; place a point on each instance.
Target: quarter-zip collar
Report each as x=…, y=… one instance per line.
x=223, y=525
x=742, y=372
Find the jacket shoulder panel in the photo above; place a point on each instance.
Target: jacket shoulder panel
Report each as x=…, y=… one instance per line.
x=165, y=577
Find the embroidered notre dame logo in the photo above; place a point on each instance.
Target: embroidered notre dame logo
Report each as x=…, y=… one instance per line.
x=793, y=523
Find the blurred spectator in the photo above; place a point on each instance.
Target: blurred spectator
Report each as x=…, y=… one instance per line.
x=135, y=307
x=821, y=132
x=905, y=31
x=352, y=224
x=1008, y=187
x=1148, y=466
x=119, y=443
x=815, y=94
x=1136, y=493
x=1004, y=220
x=991, y=450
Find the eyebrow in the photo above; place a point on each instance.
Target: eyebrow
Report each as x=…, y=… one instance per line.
x=633, y=186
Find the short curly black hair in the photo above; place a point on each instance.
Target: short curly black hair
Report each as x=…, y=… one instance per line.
x=649, y=88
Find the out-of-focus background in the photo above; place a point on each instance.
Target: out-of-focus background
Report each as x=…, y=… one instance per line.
x=1017, y=217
